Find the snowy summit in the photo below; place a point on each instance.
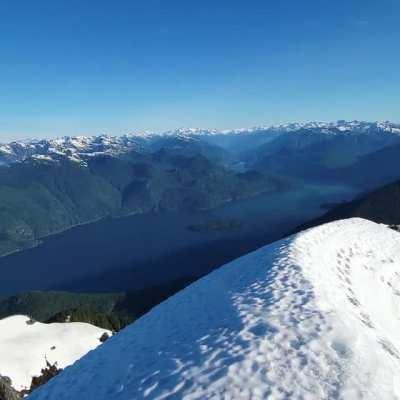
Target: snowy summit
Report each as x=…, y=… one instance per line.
x=313, y=316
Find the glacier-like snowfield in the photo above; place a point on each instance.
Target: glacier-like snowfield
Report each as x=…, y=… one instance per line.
x=313, y=316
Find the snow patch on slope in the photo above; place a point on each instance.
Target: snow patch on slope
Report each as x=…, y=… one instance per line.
x=314, y=316
x=24, y=347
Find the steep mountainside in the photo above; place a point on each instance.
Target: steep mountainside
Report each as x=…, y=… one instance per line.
x=381, y=206
x=37, y=199
x=294, y=319
x=374, y=169
x=365, y=158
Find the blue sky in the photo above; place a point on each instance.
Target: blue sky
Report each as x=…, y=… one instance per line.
x=87, y=67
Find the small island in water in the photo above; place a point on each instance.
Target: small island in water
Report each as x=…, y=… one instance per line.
x=217, y=225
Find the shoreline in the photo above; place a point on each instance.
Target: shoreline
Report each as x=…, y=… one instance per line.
x=41, y=239
x=38, y=241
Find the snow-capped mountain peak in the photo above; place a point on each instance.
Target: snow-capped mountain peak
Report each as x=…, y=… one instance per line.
x=313, y=316
x=78, y=148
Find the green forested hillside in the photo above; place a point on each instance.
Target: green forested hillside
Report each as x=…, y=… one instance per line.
x=111, y=311
x=111, y=321
x=39, y=198
x=44, y=305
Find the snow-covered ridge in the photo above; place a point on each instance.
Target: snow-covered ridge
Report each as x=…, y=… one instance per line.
x=327, y=127
x=25, y=347
x=80, y=147
x=75, y=148
x=313, y=316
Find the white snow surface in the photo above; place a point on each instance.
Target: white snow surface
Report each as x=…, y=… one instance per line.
x=313, y=316
x=25, y=347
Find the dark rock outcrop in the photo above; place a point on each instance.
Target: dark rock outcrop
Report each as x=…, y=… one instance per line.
x=6, y=390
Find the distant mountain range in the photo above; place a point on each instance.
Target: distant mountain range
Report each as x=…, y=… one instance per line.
x=80, y=148
x=47, y=186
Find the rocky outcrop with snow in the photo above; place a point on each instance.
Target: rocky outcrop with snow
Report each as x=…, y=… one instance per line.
x=81, y=147
x=314, y=316
x=26, y=347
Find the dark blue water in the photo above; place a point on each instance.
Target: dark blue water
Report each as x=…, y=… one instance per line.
x=144, y=250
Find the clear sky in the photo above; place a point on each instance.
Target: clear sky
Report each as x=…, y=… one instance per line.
x=87, y=67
